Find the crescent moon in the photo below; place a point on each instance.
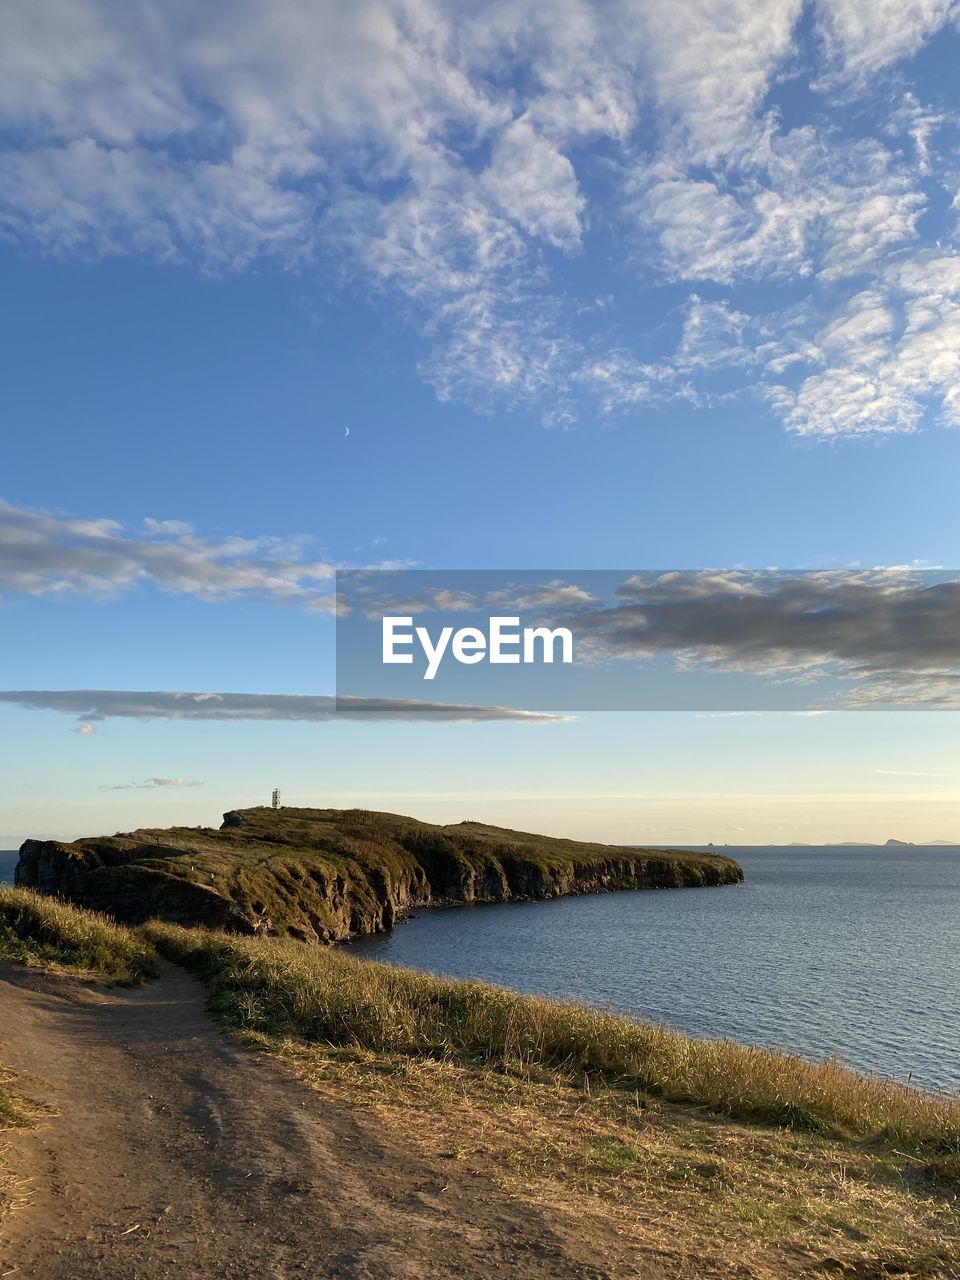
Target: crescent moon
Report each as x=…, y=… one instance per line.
x=346, y=431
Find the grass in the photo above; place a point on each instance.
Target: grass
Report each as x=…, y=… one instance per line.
x=673, y=1156
x=279, y=988
x=658, y=1188
x=12, y=1115
x=693, y=1159
x=45, y=932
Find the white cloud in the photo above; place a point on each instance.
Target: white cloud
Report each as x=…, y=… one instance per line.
x=863, y=37
x=888, y=353
x=535, y=185
x=920, y=123
x=618, y=380
x=708, y=66
x=790, y=206
x=43, y=554
x=444, y=154
x=548, y=595
x=713, y=336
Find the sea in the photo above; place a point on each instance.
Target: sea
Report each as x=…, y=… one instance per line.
x=825, y=951
x=8, y=860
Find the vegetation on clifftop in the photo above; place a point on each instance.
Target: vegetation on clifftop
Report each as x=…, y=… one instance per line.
x=326, y=874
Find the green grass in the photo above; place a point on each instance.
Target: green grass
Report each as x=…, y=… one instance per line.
x=47, y=933
x=325, y=996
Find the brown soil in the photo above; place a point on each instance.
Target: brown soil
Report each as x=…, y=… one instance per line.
x=171, y=1150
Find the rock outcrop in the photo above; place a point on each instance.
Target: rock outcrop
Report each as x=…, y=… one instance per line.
x=327, y=875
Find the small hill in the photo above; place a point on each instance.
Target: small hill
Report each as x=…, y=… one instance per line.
x=328, y=874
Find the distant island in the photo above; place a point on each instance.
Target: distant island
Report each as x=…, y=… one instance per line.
x=326, y=875
x=921, y=844
x=896, y=844
x=869, y=844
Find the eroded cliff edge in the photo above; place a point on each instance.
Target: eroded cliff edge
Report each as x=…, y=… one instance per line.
x=329, y=874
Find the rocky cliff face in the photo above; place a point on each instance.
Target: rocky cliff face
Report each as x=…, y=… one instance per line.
x=327, y=875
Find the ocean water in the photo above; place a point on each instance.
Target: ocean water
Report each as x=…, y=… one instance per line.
x=853, y=952
x=8, y=860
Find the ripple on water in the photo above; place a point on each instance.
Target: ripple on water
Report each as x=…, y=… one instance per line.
x=822, y=951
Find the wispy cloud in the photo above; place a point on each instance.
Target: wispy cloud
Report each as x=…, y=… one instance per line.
x=449, y=157
x=48, y=554
x=884, y=355
x=91, y=706
x=863, y=39
x=151, y=784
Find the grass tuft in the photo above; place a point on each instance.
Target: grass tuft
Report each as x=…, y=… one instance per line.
x=48, y=933
x=12, y=1116
x=280, y=988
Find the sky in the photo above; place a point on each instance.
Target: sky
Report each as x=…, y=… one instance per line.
x=296, y=286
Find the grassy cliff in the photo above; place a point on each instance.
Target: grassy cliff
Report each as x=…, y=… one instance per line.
x=328, y=874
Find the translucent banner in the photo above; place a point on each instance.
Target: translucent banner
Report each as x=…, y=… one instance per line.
x=693, y=640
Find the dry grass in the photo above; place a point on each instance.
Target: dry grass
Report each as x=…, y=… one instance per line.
x=328, y=997
x=51, y=934
x=690, y=1159
x=671, y=1191
x=14, y=1114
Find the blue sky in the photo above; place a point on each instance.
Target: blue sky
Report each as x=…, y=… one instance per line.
x=590, y=285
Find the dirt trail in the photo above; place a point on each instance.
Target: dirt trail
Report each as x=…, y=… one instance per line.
x=178, y=1152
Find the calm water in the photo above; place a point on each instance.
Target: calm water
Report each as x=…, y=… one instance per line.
x=8, y=861
x=853, y=952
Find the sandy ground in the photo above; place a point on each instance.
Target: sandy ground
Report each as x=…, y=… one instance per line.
x=174, y=1151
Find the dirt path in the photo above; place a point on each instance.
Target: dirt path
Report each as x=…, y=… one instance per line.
x=177, y=1152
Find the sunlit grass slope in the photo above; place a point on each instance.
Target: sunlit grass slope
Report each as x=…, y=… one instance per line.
x=43, y=931
x=328, y=996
